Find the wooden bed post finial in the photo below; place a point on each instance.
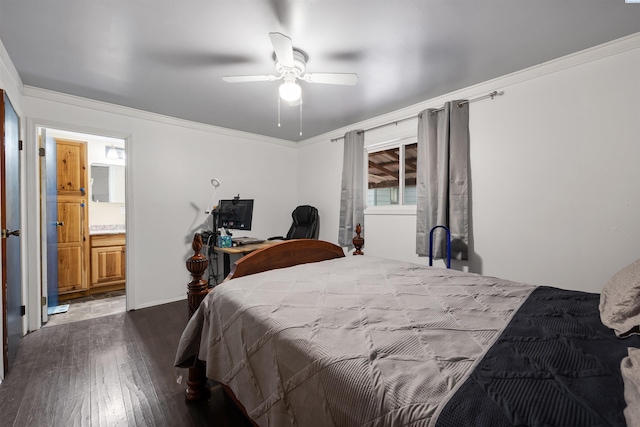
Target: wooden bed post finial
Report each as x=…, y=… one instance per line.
x=358, y=241
x=196, y=264
x=196, y=291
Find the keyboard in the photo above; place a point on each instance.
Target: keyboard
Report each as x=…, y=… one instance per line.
x=246, y=240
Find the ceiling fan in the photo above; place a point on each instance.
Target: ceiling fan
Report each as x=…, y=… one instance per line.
x=291, y=64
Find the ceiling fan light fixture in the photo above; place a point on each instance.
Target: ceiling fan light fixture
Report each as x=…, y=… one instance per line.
x=290, y=91
x=291, y=64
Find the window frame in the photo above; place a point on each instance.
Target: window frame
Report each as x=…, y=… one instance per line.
x=400, y=208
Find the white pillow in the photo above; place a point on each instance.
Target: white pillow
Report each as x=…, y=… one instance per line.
x=630, y=370
x=620, y=301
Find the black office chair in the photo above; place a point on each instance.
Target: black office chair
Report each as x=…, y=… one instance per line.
x=305, y=224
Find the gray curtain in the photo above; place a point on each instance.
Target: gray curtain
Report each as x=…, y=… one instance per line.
x=352, y=195
x=442, y=179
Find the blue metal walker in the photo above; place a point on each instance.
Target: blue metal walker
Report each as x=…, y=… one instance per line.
x=448, y=245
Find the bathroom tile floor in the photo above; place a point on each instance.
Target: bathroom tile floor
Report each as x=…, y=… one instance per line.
x=90, y=307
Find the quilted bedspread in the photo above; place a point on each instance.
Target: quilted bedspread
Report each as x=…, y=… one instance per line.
x=356, y=341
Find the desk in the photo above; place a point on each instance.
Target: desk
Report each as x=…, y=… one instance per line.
x=240, y=250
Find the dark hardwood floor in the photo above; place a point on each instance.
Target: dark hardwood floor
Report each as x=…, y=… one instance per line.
x=114, y=370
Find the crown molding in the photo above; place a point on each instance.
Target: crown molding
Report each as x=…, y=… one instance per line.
x=576, y=59
x=11, y=69
x=106, y=107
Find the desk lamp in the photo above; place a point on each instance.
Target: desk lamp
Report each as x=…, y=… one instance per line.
x=216, y=183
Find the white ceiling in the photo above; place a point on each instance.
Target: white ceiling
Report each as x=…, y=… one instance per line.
x=168, y=57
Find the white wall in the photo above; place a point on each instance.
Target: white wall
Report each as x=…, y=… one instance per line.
x=169, y=167
x=554, y=170
x=319, y=180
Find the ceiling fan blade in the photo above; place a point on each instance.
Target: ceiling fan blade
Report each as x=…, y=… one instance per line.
x=243, y=79
x=331, y=78
x=283, y=47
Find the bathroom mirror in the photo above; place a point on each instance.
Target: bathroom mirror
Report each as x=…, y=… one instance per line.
x=107, y=183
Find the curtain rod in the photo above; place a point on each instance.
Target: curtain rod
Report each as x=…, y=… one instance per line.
x=460, y=104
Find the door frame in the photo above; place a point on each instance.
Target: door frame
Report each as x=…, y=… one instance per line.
x=37, y=284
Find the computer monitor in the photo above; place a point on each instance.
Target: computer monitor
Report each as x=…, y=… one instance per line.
x=235, y=214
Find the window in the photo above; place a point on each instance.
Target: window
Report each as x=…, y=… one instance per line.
x=389, y=168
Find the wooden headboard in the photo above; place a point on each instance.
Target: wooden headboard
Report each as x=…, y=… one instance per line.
x=285, y=254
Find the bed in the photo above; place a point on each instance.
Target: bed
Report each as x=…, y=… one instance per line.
x=328, y=340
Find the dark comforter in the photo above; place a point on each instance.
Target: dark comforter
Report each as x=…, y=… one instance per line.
x=555, y=364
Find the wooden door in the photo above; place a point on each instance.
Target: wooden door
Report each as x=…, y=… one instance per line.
x=72, y=167
x=73, y=227
x=72, y=272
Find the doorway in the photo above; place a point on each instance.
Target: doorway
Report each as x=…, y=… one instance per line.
x=84, y=229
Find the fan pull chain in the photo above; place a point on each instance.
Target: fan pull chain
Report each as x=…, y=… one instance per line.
x=300, y=116
x=278, y=110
